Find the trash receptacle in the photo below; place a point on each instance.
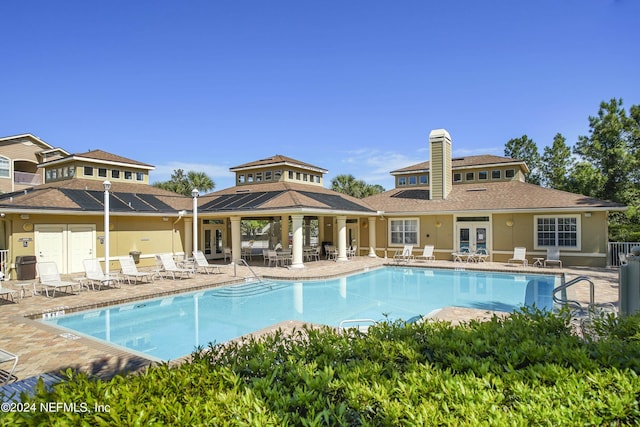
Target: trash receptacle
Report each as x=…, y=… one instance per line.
x=26, y=267
x=135, y=255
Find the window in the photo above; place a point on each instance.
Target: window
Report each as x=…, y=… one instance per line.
x=115, y=173
x=457, y=177
x=102, y=172
x=483, y=175
x=4, y=167
x=88, y=171
x=424, y=179
x=298, y=176
x=72, y=170
x=128, y=175
x=509, y=173
x=290, y=174
x=139, y=176
x=402, y=181
x=317, y=179
x=277, y=175
x=413, y=180
x=497, y=174
x=404, y=231
x=241, y=179
x=469, y=176
x=305, y=177
x=267, y=176
x=258, y=176
x=559, y=231
x=249, y=177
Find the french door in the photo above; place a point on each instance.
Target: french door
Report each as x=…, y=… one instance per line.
x=472, y=235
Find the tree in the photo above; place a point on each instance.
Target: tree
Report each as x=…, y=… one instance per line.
x=184, y=184
x=556, y=163
x=525, y=149
x=348, y=184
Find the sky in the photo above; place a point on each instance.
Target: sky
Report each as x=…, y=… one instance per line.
x=352, y=86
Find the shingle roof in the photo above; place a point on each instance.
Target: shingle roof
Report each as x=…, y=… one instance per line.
x=462, y=162
x=277, y=159
x=102, y=156
x=280, y=195
x=496, y=196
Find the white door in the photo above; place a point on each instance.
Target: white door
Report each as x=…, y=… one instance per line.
x=212, y=242
x=50, y=245
x=472, y=235
x=82, y=245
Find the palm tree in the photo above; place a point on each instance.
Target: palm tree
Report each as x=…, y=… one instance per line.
x=184, y=184
x=201, y=181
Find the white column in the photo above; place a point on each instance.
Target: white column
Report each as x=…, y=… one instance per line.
x=107, y=186
x=195, y=193
x=236, y=238
x=372, y=237
x=298, y=243
x=188, y=235
x=342, y=238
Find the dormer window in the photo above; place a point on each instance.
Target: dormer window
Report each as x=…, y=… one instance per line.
x=241, y=179
x=483, y=175
x=102, y=172
x=424, y=179
x=402, y=181
x=277, y=175
x=88, y=171
x=457, y=177
x=258, y=176
x=509, y=173
x=469, y=176
x=413, y=180
x=267, y=176
x=115, y=173
x=496, y=174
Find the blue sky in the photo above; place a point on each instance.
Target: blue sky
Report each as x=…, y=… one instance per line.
x=350, y=86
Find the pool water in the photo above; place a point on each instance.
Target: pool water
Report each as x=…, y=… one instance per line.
x=171, y=327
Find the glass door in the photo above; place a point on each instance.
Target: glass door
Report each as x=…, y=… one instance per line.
x=472, y=236
x=213, y=243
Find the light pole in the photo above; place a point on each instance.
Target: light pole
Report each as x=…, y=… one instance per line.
x=195, y=193
x=107, y=187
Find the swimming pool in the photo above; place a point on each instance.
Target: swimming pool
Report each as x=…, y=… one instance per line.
x=171, y=327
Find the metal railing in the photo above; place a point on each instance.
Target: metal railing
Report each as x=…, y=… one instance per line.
x=572, y=303
x=27, y=178
x=616, y=249
x=4, y=263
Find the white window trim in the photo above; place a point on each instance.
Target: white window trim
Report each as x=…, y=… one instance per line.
x=8, y=169
x=399, y=245
x=578, y=217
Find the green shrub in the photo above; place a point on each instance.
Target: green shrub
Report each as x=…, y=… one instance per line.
x=527, y=369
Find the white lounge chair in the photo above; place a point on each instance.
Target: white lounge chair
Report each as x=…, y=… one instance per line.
x=5, y=357
x=272, y=257
x=7, y=293
x=50, y=278
x=130, y=271
x=94, y=274
x=427, y=254
x=481, y=255
x=404, y=255
x=170, y=268
x=201, y=263
x=519, y=255
x=553, y=256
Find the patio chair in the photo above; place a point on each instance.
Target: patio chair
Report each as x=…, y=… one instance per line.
x=7, y=293
x=94, y=274
x=6, y=357
x=427, y=254
x=170, y=268
x=519, y=255
x=351, y=251
x=330, y=252
x=481, y=255
x=553, y=256
x=404, y=255
x=272, y=258
x=227, y=254
x=201, y=263
x=50, y=278
x=130, y=271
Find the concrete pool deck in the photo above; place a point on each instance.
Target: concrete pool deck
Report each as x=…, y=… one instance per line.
x=43, y=349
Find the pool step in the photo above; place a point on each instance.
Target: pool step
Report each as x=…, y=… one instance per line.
x=248, y=289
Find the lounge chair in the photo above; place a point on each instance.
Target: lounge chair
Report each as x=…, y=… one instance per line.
x=463, y=255
x=427, y=254
x=553, y=256
x=94, y=274
x=227, y=254
x=331, y=252
x=404, y=255
x=519, y=255
x=50, y=278
x=169, y=267
x=481, y=255
x=6, y=357
x=201, y=263
x=7, y=293
x=130, y=271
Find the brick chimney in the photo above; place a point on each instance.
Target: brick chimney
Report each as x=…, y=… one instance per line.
x=440, y=179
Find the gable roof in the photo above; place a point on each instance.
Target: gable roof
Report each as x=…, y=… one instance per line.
x=87, y=195
x=276, y=160
x=483, y=160
x=279, y=196
x=99, y=156
x=490, y=197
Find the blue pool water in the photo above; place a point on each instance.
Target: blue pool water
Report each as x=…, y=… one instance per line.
x=171, y=327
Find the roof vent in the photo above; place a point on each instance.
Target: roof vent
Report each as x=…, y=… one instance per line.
x=477, y=189
x=243, y=191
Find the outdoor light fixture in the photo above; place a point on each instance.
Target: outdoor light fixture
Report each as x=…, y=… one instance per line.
x=509, y=223
x=107, y=187
x=195, y=193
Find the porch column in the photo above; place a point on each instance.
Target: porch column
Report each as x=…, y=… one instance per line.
x=298, y=243
x=236, y=238
x=284, y=230
x=372, y=236
x=342, y=238
x=188, y=236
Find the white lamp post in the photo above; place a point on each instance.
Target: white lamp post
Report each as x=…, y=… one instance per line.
x=195, y=193
x=107, y=187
